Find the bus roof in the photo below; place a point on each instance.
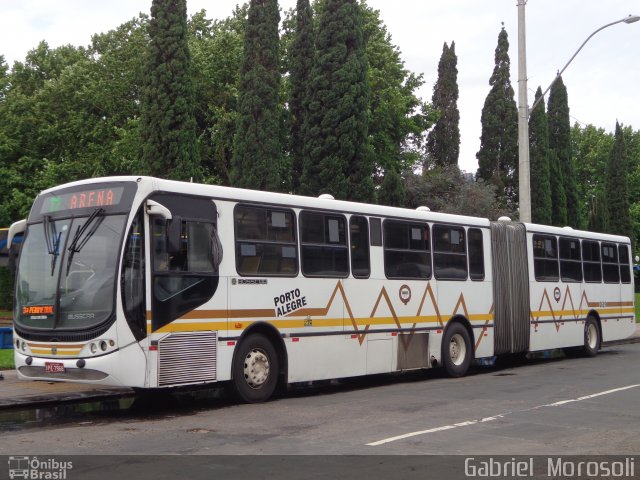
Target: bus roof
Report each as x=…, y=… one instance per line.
x=299, y=201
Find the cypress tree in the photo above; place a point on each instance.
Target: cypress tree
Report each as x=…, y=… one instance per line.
x=498, y=154
x=337, y=157
x=443, y=142
x=257, y=157
x=599, y=213
x=168, y=126
x=617, y=187
x=560, y=143
x=558, y=197
x=539, y=164
x=392, y=190
x=302, y=51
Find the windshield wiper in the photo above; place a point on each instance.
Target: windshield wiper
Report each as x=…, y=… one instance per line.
x=52, y=239
x=79, y=241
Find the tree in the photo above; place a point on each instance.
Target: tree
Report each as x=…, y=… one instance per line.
x=558, y=197
x=599, y=213
x=398, y=118
x=168, y=128
x=337, y=158
x=257, y=156
x=560, y=143
x=498, y=154
x=301, y=62
x=617, y=189
x=590, y=150
x=392, y=190
x=447, y=190
x=443, y=142
x=539, y=164
x=216, y=49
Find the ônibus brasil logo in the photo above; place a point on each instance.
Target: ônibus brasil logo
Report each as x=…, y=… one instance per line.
x=38, y=469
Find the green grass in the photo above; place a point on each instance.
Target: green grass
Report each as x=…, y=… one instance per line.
x=6, y=358
x=637, y=307
x=6, y=314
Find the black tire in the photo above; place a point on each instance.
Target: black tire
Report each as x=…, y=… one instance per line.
x=592, y=338
x=457, y=350
x=255, y=369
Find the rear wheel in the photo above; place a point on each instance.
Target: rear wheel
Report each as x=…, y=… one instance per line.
x=255, y=369
x=591, y=338
x=456, y=350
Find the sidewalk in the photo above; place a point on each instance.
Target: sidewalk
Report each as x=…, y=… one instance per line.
x=16, y=393
x=25, y=394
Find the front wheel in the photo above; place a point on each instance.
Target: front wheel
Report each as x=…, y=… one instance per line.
x=591, y=338
x=255, y=369
x=456, y=350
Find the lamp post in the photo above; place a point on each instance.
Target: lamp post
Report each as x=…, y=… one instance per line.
x=523, y=110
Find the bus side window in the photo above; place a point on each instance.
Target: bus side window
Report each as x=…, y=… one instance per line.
x=449, y=253
x=610, y=266
x=545, y=258
x=476, y=254
x=359, y=231
x=407, y=252
x=323, y=242
x=623, y=255
x=570, y=260
x=266, y=241
x=591, y=261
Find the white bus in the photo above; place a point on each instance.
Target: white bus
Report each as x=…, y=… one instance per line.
x=152, y=283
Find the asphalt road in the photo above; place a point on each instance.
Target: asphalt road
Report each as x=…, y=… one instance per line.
x=544, y=407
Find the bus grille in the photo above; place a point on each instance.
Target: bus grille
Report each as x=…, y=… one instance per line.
x=187, y=358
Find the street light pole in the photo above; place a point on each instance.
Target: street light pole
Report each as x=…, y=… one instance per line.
x=524, y=187
x=523, y=110
x=629, y=19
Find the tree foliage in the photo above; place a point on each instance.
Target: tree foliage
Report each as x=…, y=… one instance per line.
x=257, y=160
x=498, y=154
x=392, y=190
x=443, y=141
x=448, y=190
x=560, y=144
x=168, y=128
x=337, y=157
x=301, y=62
x=539, y=164
x=617, y=189
x=398, y=118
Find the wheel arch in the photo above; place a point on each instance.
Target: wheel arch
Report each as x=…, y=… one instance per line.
x=462, y=320
x=275, y=337
x=596, y=316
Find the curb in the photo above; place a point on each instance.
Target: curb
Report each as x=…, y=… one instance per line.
x=44, y=400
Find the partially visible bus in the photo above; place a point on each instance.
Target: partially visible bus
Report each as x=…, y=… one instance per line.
x=8, y=252
x=151, y=283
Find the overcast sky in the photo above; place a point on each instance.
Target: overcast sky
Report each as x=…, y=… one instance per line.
x=602, y=82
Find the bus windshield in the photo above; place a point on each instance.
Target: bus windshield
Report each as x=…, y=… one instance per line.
x=66, y=279
x=67, y=273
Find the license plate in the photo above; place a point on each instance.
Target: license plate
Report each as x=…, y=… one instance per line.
x=53, y=367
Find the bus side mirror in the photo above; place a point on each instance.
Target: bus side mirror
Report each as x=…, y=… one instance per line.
x=174, y=231
x=16, y=228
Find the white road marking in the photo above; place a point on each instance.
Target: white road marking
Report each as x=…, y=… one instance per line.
x=587, y=397
x=496, y=417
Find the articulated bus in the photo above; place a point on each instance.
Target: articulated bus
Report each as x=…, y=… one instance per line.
x=150, y=283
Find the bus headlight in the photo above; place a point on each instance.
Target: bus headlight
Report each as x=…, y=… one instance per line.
x=93, y=348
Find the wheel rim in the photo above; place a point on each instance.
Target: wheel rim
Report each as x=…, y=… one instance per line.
x=256, y=368
x=592, y=336
x=457, y=349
